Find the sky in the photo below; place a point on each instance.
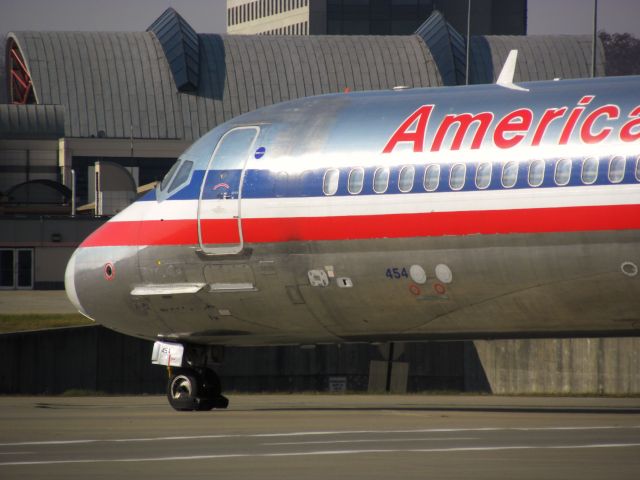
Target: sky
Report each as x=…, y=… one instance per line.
x=208, y=16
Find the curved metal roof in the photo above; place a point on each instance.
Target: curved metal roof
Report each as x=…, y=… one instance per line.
x=543, y=57
x=31, y=121
x=118, y=85
x=170, y=83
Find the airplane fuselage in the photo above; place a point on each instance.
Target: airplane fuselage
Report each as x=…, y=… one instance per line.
x=464, y=212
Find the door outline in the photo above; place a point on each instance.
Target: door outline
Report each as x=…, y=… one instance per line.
x=235, y=248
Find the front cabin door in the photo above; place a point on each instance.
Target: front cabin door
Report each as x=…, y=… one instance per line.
x=219, y=207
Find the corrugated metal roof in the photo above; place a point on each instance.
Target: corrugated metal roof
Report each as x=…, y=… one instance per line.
x=31, y=121
x=543, y=57
x=540, y=57
x=180, y=44
x=121, y=83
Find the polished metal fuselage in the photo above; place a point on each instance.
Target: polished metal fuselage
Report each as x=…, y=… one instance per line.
x=385, y=287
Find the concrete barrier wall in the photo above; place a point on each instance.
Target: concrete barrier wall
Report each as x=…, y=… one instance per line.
x=96, y=359
x=562, y=366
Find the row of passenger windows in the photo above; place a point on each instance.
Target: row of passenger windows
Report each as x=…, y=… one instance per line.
x=535, y=174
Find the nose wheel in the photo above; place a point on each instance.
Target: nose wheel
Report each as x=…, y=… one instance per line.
x=195, y=389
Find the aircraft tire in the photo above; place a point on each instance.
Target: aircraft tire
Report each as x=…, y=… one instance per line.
x=182, y=390
x=189, y=390
x=211, y=391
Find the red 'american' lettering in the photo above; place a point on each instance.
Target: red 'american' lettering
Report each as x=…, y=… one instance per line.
x=518, y=127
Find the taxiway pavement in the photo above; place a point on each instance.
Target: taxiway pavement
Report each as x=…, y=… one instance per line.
x=322, y=437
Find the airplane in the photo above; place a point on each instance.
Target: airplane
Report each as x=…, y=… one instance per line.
x=474, y=212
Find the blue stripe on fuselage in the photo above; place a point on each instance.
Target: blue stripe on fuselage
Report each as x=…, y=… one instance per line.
x=270, y=184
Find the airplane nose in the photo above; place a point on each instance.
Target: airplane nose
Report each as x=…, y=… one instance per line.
x=70, y=283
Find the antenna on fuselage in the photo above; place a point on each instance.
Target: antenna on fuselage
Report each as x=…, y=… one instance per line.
x=505, y=79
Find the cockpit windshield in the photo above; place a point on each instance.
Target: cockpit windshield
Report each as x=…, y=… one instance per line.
x=167, y=178
x=182, y=176
x=177, y=176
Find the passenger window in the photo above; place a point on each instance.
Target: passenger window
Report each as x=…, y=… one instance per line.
x=330, y=182
x=356, y=179
x=483, y=175
x=405, y=180
x=456, y=178
x=536, y=173
x=616, y=169
x=182, y=176
x=562, y=174
x=431, y=177
x=638, y=169
x=167, y=178
x=381, y=180
x=589, y=170
x=509, y=174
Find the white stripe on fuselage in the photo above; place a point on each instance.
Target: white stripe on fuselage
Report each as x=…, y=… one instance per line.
x=387, y=204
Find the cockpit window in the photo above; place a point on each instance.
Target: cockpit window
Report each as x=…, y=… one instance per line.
x=183, y=174
x=167, y=178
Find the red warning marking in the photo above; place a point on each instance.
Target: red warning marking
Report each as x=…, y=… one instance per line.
x=414, y=289
x=221, y=185
x=439, y=288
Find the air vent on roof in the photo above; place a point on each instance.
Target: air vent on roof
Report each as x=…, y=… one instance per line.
x=181, y=47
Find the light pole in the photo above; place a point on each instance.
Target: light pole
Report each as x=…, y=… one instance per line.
x=594, y=46
x=466, y=72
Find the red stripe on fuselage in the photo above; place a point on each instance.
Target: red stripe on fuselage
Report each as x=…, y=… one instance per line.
x=273, y=230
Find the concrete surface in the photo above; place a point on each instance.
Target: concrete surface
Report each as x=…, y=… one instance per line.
x=322, y=436
x=20, y=302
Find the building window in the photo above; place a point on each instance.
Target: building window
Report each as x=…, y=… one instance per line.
x=405, y=179
x=589, y=170
x=16, y=268
x=509, y=174
x=330, y=181
x=381, y=180
x=456, y=176
x=563, y=172
x=536, y=173
x=483, y=175
x=616, y=169
x=356, y=181
x=431, y=177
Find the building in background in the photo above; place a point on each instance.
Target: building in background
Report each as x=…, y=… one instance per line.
x=94, y=118
x=371, y=17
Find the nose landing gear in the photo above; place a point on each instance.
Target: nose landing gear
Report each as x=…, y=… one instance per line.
x=195, y=389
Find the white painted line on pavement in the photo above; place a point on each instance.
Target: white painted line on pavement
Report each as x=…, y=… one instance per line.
x=322, y=452
x=378, y=440
x=319, y=433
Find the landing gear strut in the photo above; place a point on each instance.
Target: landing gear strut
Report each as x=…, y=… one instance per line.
x=195, y=389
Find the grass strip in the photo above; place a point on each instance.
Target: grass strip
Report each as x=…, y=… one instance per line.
x=28, y=322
